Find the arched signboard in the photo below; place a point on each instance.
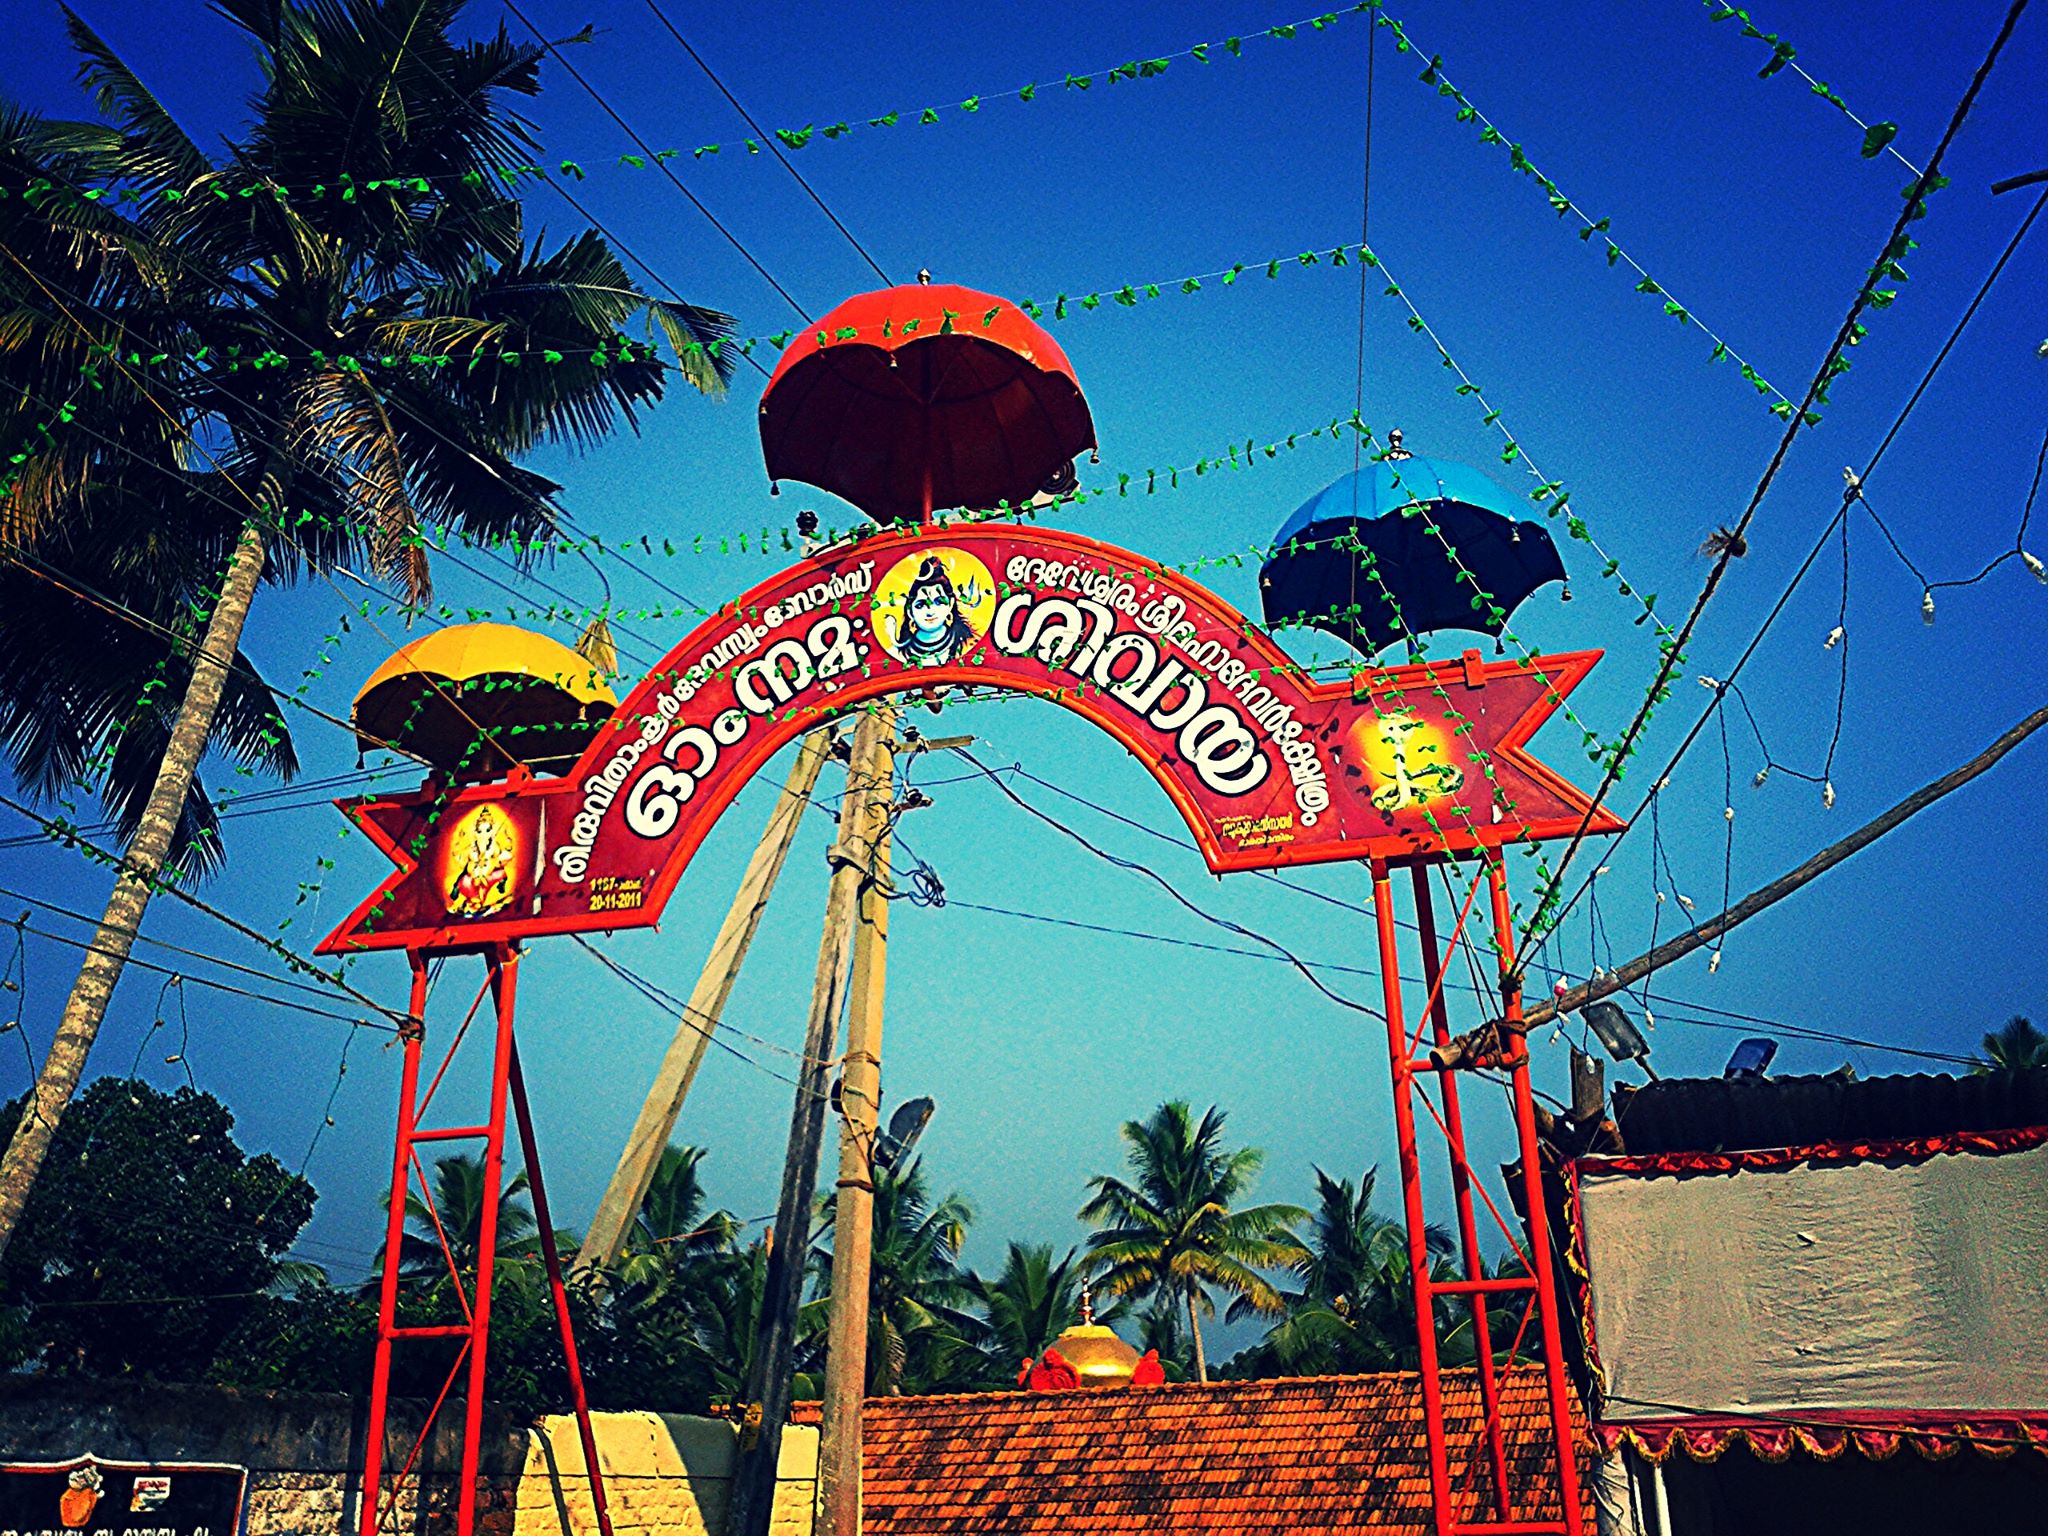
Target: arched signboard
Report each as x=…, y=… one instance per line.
x=1267, y=766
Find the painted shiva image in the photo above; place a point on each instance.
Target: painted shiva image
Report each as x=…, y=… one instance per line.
x=933, y=607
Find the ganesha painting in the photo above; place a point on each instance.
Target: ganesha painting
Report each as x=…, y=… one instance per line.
x=478, y=869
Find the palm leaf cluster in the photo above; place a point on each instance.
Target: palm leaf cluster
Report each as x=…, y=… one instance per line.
x=186, y=404
x=1172, y=1232
x=182, y=353
x=673, y=1323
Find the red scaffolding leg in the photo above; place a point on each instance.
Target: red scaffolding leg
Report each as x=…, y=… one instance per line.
x=1538, y=1212
x=554, y=1264
x=475, y=1303
x=1461, y=1190
x=1444, y=1498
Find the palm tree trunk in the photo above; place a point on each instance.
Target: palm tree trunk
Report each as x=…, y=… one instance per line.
x=1195, y=1327
x=147, y=853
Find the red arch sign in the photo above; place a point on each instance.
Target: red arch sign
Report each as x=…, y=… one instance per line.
x=1267, y=766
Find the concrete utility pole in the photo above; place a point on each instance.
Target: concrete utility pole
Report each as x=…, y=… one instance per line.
x=868, y=786
x=853, y=1230
x=606, y=1238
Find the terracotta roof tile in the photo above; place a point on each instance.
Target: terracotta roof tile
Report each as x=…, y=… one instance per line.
x=1318, y=1454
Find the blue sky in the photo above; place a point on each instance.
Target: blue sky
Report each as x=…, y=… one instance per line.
x=1748, y=201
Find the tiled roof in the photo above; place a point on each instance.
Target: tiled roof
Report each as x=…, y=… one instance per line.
x=1318, y=1454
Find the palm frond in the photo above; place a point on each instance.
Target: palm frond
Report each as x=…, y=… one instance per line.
x=155, y=150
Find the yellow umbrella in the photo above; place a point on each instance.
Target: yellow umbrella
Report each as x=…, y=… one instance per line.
x=533, y=699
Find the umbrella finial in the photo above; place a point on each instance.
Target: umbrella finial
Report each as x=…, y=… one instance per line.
x=924, y=274
x=1394, y=448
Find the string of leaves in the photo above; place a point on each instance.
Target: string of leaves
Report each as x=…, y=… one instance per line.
x=1877, y=137
x=1068, y=85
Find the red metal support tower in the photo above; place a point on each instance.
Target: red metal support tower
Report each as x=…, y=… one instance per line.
x=508, y=1085
x=1495, y=1512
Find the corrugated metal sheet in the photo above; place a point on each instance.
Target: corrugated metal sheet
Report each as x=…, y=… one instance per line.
x=1713, y=1114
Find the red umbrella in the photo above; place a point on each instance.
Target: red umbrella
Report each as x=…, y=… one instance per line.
x=924, y=396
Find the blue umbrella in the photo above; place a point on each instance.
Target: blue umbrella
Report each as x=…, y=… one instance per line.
x=1377, y=537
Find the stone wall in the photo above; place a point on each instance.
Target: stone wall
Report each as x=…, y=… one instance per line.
x=664, y=1473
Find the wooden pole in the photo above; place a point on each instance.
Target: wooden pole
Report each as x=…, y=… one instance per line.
x=768, y=1377
x=606, y=1238
x=1707, y=932
x=839, y=1465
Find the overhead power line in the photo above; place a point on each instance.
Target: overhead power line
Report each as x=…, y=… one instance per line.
x=655, y=158
x=1725, y=1018
x=60, y=833
x=1854, y=492
x=769, y=139
x=1732, y=540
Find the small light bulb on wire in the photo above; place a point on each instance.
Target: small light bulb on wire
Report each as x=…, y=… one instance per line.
x=1708, y=682
x=2033, y=563
x=1834, y=638
x=1927, y=606
x=1713, y=962
x=1649, y=1018
x=1827, y=795
x=1728, y=813
x=1761, y=774
x=1685, y=901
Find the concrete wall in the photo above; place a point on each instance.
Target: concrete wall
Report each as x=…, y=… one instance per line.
x=664, y=1473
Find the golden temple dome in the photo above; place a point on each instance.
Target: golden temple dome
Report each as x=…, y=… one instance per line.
x=536, y=699
x=1098, y=1356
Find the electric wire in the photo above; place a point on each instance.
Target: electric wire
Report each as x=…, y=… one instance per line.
x=1854, y=493
x=1477, y=987
x=62, y=833
x=1168, y=886
x=769, y=139
x=203, y=981
x=651, y=993
x=137, y=936
x=1733, y=539
x=262, y=802
x=657, y=160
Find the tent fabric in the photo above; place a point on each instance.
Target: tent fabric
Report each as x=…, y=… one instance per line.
x=1865, y=1281
x=1728, y=1113
x=1935, y=1440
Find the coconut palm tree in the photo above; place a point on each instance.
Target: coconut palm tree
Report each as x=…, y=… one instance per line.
x=2015, y=1048
x=1172, y=1232
x=456, y=1211
x=919, y=1335
x=725, y=1309
x=1031, y=1302
x=1354, y=1309
x=268, y=380
x=672, y=1233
